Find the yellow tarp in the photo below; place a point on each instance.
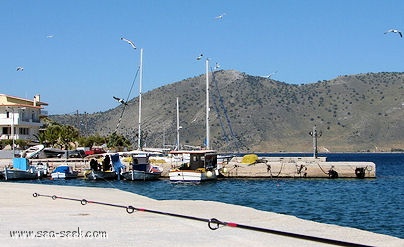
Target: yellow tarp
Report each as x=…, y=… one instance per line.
x=249, y=159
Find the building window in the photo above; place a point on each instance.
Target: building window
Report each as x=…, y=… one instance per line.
x=24, y=131
x=6, y=130
x=8, y=114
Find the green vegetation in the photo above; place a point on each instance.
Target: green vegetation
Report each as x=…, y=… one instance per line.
x=355, y=113
x=67, y=137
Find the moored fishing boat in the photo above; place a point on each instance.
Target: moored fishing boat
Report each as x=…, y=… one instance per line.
x=141, y=169
x=100, y=175
x=64, y=172
x=21, y=170
x=14, y=174
x=101, y=172
x=202, y=165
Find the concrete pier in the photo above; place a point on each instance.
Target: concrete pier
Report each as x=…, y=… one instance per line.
x=264, y=167
x=45, y=221
x=297, y=167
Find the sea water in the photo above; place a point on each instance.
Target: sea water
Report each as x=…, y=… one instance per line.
x=374, y=205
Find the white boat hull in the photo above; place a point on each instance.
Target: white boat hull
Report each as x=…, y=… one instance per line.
x=62, y=175
x=100, y=175
x=141, y=175
x=191, y=176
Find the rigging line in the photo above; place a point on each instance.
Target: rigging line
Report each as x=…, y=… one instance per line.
x=133, y=83
x=216, y=107
x=233, y=136
x=220, y=119
x=213, y=223
x=223, y=106
x=127, y=98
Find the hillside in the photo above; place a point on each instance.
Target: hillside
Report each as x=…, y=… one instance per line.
x=362, y=112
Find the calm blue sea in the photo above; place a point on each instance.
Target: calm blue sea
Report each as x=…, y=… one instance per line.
x=370, y=204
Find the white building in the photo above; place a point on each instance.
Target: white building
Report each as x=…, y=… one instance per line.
x=20, y=118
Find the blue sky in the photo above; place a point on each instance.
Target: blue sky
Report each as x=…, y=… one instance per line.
x=85, y=63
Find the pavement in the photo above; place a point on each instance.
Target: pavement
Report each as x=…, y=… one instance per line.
x=26, y=220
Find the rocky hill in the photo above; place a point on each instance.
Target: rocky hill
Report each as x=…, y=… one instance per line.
x=362, y=112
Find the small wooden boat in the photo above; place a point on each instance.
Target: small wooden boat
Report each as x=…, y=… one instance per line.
x=15, y=174
x=100, y=175
x=21, y=170
x=102, y=171
x=201, y=166
x=142, y=169
x=64, y=172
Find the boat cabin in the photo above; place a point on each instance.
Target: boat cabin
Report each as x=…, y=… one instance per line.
x=199, y=159
x=140, y=162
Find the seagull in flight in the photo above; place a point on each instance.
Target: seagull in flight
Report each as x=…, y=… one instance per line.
x=120, y=100
x=270, y=75
x=199, y=57
x=394, y=31
x=20, y=69
x=50, y=36
x=220, y=16
x=129, y=42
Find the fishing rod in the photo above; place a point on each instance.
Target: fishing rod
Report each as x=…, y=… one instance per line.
x=213, y=223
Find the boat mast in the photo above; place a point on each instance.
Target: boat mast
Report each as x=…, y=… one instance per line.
x=207, y=105
x=178, y=126
x=140, y=100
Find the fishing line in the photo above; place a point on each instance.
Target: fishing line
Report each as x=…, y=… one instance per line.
x=213, y=223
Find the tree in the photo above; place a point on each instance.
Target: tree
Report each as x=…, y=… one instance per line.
x=92, y=140
x=67, y=135
x=57, y=134
x=117, y=141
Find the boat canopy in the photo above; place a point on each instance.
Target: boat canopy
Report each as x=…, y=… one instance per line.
x=116, y=162
x=193, y=151
x=62, y=169
x=20, y=164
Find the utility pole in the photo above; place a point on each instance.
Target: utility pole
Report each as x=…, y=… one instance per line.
x=315, y=135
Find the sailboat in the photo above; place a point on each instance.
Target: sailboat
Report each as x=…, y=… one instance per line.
x=202, y=164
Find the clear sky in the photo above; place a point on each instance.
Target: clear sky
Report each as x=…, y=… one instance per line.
x=73, y=56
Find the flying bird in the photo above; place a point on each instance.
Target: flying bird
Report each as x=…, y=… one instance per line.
x=220, y=16
x=394, y=31
x=270, y=75
x=199, y=57
x=20, y=69
x=120, y=100
x=50, y=36
x=129, y=42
